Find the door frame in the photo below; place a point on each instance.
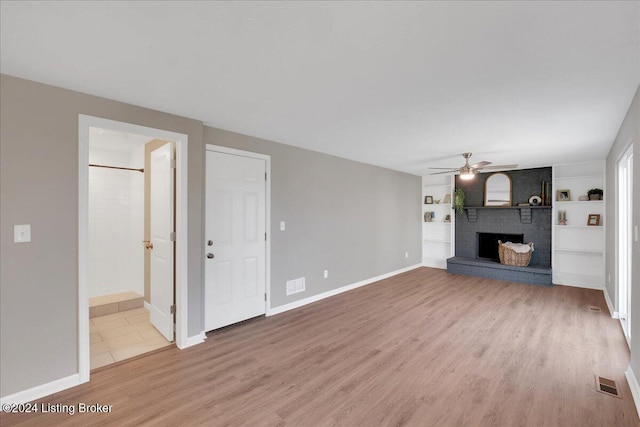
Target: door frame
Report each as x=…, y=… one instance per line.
x=181, y=254
x=267, y=159
x=625, y=323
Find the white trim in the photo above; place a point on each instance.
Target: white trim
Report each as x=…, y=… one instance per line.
x=43, y=390
x=181, y=140
x=194, y=340
x=578, y=280
x=614, y=314
x=147, y=306
x=267, y=159
x=634, y=386
x=314, y=298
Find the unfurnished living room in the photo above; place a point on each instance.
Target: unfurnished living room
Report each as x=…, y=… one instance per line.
x=310, y=213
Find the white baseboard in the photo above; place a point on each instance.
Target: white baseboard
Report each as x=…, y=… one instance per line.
x=578, y=280
x=194, y=340
x=607, y=299
x=314, y=298
x=147, y=306
x=43, y=390
x=634, y=386
x=435, y=263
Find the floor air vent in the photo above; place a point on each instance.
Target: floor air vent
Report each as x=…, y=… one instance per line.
x=594, y=308
x=607, y=386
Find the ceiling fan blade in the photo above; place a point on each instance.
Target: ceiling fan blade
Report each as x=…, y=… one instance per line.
x=480, y=165
x=499, y=167
x=440, y=173
x=428, y=167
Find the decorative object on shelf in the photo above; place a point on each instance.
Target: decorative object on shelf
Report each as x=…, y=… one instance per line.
x=583, y=198
x=428, y=216
x=516, y=254
x=563, y=195
x=594, y=219
x=535, y=200
x=458, y=200
x=447, y=218
x=447, y=198
x=545, y=194
x=595, y=194
x=562, y=217
x=436, y=201
x=497, y=190
x=428, y=200
x=524, y=204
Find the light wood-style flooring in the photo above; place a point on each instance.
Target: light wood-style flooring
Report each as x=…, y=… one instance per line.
x=424, y=348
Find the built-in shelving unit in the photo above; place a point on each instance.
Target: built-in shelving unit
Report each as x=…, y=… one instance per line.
x=578, y=256
x=437, y=234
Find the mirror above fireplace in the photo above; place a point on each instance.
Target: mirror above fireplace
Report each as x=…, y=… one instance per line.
x=497, y=190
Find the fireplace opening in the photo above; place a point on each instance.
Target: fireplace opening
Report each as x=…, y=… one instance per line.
x=487, y=244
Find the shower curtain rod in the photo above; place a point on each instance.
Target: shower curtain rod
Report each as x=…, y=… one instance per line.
x=116, y=167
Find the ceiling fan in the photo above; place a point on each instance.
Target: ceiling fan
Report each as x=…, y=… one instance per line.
x=468, y=171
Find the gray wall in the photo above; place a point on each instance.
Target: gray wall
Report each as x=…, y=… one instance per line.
x=629, y=132
x=39, y=186
x=353, y=219
x=350, y=218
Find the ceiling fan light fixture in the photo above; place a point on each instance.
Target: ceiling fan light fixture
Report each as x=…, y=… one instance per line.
x=467, y=175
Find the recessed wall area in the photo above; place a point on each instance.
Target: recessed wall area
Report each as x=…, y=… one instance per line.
x=530, y=224
x=116, y=213
x=525, y=183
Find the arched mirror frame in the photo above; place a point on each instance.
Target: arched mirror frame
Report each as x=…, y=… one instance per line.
x=487, y=189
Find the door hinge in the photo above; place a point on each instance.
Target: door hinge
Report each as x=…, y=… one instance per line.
x=265, y=237
x=172, y=236
x=265, y=176
x=173, y=163
x=265, y=296
x=172, y=309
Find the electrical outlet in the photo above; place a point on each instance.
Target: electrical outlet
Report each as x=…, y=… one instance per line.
x=406, y=254
x=326, y=274
x=282, y=226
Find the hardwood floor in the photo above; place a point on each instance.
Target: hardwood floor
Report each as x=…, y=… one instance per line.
x=424, y=348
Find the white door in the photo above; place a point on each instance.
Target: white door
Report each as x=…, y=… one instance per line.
x=235, y=234
x=162, y=227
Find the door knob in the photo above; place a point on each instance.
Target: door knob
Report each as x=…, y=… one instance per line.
x=147, y=244
x=210, y=255
x=209, y=242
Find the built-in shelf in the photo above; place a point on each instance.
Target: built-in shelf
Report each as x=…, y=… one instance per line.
x=594, y=227
x=585, y=251
x=563, y=178
x=578, y=250
x=438, y=236
x=578, y=202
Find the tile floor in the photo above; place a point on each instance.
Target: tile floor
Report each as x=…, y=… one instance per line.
x=122, y=335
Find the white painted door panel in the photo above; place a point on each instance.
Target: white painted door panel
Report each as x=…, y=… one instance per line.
x=235, y=282
x=161, y=224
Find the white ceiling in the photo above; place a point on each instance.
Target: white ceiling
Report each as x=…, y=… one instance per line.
x=397, y=84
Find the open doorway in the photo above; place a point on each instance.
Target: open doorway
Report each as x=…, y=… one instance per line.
x=131, y=225
x=176, y=310
x=625, y=200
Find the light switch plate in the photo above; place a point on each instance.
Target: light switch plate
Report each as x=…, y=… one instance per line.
x=282, y=226
x=22, y=233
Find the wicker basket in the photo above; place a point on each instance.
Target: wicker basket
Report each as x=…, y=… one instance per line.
x=510, y=257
